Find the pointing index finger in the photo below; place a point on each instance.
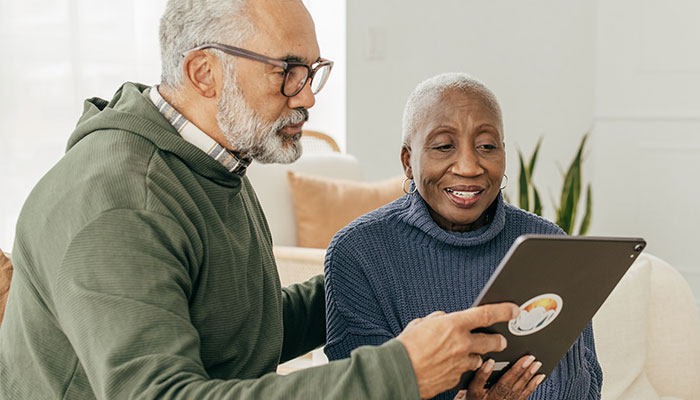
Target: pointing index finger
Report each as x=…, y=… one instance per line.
x=487, y=315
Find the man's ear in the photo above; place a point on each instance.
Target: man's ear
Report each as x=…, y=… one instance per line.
x=201, y=70
x=406, y=161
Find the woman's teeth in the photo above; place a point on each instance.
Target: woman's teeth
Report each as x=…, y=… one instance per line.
x=465, y=195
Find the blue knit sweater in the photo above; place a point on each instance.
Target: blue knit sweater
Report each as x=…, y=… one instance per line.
x=396, y=264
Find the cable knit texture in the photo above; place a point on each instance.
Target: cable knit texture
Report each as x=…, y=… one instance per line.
x=396, y=264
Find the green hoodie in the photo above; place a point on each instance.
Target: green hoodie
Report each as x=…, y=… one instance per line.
x=144, y=269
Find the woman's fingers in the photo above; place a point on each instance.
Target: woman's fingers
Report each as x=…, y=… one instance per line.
x=519, y=382
x=529, y=367
x=513, y=383
x=476, y=390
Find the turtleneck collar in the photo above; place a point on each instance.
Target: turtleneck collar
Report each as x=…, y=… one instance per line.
x=418, y=215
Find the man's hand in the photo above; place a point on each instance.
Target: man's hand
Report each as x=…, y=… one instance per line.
x=441, y=346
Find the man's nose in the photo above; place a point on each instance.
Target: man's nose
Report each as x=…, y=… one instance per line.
x=304, y=99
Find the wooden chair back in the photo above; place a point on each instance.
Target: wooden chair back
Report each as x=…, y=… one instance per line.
x=318, y=142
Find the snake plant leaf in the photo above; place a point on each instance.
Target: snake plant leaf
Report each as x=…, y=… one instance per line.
x=538, y=203
x=567, y=209
x=586, y=222
x=568, y=201
x=568, y=188
x=571, y=191
x=577, y=163
x=533, y=158
x=576, y=188
x=565, y=212
x=523, y=185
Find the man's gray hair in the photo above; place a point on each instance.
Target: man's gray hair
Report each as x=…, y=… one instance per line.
x=416, y=109
x=189, y=23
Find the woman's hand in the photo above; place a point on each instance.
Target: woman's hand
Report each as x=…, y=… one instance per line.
x=516, y=384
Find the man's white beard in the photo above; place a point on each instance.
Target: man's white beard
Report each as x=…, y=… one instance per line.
x=253, y=137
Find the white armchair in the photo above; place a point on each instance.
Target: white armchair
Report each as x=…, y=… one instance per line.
x=648, y=335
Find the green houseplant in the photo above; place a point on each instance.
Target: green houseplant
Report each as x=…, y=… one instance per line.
x=567, y=210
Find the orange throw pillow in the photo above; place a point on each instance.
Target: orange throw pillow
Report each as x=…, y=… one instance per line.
x=5, y=278
x=323, y=206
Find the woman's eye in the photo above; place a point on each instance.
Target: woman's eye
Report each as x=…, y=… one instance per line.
x=487, y=147
x=444, y=147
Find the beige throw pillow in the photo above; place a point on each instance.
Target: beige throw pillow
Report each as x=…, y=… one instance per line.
x=5, y=278
x=323, y=206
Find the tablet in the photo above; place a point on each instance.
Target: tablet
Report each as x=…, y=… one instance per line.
x=559, y=282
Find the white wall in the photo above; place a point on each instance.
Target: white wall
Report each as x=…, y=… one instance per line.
x=328, y=115
x=627, y=70
x=537, y=56
x=646, y=149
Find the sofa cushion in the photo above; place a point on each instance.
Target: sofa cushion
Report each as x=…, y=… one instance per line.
x=272, y=188
x=5, y=278
x=323, y=206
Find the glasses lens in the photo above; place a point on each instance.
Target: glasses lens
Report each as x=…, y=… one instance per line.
x=320, y=78
x=296, y=78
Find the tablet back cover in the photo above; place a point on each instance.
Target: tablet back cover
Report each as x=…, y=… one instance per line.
x=559, y=282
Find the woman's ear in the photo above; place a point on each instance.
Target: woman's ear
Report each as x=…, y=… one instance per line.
x=406, y=161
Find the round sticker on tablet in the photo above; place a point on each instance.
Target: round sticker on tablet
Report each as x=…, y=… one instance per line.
x=536, y=314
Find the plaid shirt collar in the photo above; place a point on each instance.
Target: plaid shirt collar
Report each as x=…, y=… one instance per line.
x=230, y=160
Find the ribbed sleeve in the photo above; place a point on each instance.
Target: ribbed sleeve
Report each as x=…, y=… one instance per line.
x=395, y=264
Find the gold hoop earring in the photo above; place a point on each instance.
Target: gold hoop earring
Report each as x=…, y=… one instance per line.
x=403, y=186
x=504, y=184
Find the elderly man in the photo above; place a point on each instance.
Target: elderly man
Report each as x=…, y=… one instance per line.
x=144, y=264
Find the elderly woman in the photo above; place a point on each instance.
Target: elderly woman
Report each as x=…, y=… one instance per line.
x=436, y=247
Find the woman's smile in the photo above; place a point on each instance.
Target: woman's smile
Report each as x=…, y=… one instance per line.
x=464, y=196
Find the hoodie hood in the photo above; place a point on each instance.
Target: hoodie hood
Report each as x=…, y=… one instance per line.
x=118, y=113
x=131, y=110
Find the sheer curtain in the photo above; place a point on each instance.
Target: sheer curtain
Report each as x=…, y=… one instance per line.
x=55, y=54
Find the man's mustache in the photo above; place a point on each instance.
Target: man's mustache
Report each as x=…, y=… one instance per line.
x=305, y=112
x=297, y=116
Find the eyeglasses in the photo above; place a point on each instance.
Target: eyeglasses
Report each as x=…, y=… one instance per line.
x=295, y=73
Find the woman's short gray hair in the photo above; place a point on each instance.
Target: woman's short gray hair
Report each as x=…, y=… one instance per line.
x=416, y=104
x=189, y=23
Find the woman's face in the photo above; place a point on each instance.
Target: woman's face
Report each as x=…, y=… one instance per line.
x=457, y=159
